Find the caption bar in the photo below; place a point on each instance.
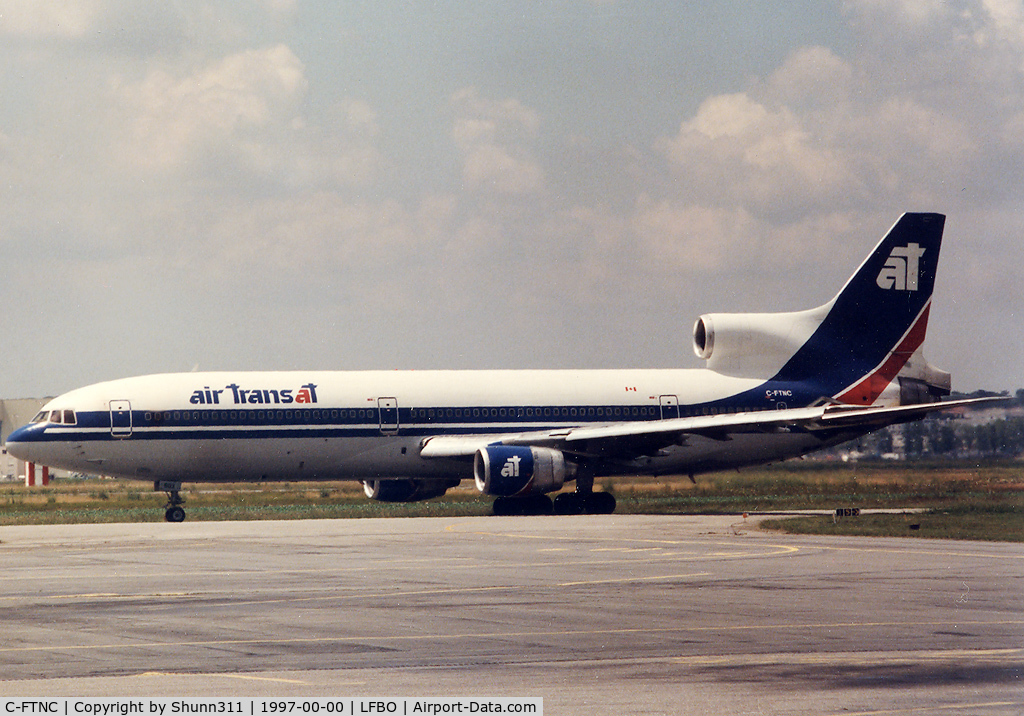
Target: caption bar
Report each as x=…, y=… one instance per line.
x=406, y=706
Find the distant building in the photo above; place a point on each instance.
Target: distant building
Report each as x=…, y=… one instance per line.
x=14, y=414
x=993, y=431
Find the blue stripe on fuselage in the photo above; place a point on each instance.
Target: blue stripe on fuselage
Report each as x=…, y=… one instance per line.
x=341, y=423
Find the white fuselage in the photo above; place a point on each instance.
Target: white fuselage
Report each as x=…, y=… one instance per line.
x=214, y=427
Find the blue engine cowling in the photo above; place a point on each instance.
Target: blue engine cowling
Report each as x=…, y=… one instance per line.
x=519, y=471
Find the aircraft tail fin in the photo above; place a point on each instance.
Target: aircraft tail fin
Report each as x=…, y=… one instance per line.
x=877, y=322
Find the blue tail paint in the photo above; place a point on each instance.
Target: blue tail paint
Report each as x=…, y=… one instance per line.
x=878, y=319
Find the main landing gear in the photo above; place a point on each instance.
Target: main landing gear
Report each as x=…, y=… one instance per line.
x=174, y=510
x=567, y=503
x=583, y=501
x=580, y=503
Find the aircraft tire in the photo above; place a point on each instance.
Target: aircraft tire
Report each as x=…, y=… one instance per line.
x=569, y=503
x=600, y=503
x=540, y=505
x=518, y=506
x=175, y=514
x=502, y=507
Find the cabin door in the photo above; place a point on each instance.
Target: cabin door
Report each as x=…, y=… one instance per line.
x=669, y=407
x=120, y=418
x=388, y=408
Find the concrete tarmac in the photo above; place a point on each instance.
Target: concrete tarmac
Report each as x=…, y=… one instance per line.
x=596, y=614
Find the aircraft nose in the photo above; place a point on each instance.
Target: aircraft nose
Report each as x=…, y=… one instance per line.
x=20, y=442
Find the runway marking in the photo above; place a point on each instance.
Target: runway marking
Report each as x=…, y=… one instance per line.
x=745, y=551
x=116, y=595
x=471, y=590
x=761, y=551
x=374, y=638
x=773, y=550
x=912, y=550
x=361, y=594
x=632, y=579
x=941, y=707
x=582, y=538
x=11, y=575
x=244, y=677
x=845, y=658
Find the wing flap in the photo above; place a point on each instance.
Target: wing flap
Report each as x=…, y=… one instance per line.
x=843, y=415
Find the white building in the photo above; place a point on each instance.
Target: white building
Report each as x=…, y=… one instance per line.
x=14, y=414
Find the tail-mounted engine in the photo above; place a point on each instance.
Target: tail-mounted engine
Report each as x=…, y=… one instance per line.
x=753, y=345
x=520, y=471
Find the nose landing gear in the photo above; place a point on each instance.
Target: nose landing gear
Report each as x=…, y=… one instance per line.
x=174, y=510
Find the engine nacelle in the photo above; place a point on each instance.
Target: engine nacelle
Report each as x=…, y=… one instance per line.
x=406, y=489
x=753, y=345
x=506, y=471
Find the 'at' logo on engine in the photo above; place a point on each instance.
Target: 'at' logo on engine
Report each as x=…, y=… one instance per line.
x=511, y=467
x=901, y=270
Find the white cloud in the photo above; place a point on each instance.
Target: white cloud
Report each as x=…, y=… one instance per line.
x=241, y=117
x=742, y=152
x=177, y=118
x=694, y=238
x=493, y=168
x=886, y=126
x=814, y=75
x=904, y=14
x=49, y=18
x=1007, y=21
x=330, y=172
x=495, y=140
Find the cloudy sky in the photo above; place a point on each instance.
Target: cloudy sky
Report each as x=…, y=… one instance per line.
x=496, y=184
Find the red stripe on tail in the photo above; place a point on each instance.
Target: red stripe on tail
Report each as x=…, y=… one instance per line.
x=867, y=391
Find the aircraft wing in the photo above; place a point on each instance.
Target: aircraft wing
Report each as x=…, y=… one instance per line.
x=637, y=438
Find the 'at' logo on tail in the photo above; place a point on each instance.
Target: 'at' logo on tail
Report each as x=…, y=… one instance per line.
x=901, y=269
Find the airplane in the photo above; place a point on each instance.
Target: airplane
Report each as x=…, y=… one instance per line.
x=775, y=386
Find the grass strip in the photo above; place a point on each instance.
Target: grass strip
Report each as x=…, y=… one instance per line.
x=963, y=501
x=994, y=524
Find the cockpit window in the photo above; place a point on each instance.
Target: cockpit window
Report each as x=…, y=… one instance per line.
x=57, y=417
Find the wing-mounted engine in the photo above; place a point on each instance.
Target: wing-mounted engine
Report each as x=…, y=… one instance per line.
x=753, y=345
x=406, y=489
x=518, y=471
